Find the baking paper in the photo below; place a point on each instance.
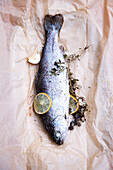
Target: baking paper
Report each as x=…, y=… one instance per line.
x=24, y=142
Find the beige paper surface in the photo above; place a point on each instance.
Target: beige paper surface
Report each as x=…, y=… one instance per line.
x=24, y=142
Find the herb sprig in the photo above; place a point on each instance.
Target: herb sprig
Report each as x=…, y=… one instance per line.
x=76, y=55
x=59, y=67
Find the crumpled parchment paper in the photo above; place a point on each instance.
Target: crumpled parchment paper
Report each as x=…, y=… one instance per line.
x=24, y=142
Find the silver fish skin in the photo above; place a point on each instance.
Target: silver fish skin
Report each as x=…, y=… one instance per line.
x=56, y=86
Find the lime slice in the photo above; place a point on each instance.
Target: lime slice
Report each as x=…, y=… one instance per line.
x=42, y=103
x=73, y=105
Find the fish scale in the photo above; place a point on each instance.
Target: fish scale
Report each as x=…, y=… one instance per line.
x=56, y=86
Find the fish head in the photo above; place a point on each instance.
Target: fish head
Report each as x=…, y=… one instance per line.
x=60, y=130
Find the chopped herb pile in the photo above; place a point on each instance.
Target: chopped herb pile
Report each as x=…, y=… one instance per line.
x=73, y=83
x=78, y=116
x=59, y=67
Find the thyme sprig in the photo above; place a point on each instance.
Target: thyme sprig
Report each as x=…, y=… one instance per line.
x=59, y=67
x=76, y=55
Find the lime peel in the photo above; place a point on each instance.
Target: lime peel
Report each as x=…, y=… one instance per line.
x=42, y=103
x=72, y=104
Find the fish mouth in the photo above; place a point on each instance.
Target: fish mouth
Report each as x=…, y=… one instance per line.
x=58, y=138
x=60, y=142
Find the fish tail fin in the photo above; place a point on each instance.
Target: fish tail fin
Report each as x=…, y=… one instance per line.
x=53, y=22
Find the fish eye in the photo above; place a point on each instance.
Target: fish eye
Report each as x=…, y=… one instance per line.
x=57, y=135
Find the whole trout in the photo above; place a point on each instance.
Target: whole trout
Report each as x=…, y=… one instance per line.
x=56, y=86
